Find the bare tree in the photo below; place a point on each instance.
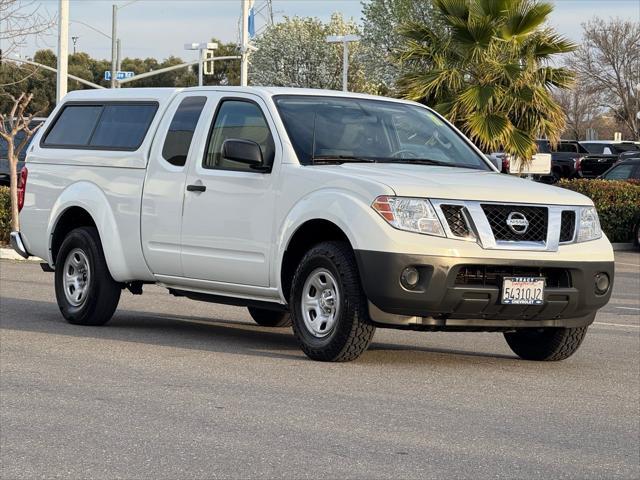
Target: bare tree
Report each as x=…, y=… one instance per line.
x=608, y=61
x=10, y=124
x=582, y=107
x=20, y=19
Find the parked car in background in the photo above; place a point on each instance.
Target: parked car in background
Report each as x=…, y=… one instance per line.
x=4, y=147
x=624, y=170
x=566, y=159
x=604, y=154
x=540, y=164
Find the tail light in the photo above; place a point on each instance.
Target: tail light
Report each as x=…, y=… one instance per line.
x=577, y=164
x=22, y=187
x=506, y=163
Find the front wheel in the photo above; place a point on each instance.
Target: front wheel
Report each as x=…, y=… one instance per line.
x=85, y=291
x=545, y=344
x=329, y=310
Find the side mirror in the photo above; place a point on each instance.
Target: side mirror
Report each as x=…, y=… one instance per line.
x=243, y=151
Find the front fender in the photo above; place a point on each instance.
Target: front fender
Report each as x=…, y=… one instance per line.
x=352, y=214
x=123, y=260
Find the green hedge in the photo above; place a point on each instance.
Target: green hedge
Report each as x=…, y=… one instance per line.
x=617, y=202
x=5, y=214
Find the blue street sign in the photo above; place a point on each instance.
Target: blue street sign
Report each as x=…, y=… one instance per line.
x=252, y=23
x=119, y=75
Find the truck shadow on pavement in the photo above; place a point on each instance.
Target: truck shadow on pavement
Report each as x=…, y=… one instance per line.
x=200, y=333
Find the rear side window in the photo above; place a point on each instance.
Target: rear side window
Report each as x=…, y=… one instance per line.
x=111, y=126
x=594, y=147
x=74, y=126
x=123, y=126
x=178, y=141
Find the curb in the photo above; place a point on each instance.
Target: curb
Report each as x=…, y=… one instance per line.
x=10, y=254
x=623, y=247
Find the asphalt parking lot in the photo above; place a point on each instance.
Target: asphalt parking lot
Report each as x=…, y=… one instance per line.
x=173, y=388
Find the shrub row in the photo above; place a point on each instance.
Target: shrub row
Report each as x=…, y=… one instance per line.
x=617, y=202
x=5, y=214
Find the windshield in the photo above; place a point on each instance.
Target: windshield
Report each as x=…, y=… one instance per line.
x=325, y=129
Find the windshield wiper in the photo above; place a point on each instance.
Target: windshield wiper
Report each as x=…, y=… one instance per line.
x=341, y=159
x=417, y=161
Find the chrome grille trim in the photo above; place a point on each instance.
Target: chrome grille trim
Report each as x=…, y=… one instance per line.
x=483, y=233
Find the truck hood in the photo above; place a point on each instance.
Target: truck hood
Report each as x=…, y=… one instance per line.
x=462, y=184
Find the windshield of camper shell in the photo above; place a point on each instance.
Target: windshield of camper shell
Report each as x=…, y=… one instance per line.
x=344, y=129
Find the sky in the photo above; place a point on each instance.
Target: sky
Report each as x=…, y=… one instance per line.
x=160, y=28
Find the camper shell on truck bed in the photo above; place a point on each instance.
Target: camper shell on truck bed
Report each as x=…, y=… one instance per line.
x=328, y=211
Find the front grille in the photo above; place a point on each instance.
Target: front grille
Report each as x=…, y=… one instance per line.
x=567, y=225
x=491, y=276
x=454, y=214
x=592, y=167
x=537, y=218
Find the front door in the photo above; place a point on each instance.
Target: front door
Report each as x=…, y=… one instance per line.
x=227, y=225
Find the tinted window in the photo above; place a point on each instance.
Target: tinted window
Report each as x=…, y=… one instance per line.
x=123, y=126
x=240, y=120
x=176, y=145
x=336, y=129
x=74, y=126
x=567, y=148
x=621, y=172
x=543, y=146
x=594, y=147
x=120, y=126
x=625, y=147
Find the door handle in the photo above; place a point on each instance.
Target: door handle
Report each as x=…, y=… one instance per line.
x=196, y=188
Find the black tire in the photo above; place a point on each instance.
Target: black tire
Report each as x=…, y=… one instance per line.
x=102, y=291
x=546, y=344
x=270, y=318
x=352, y=331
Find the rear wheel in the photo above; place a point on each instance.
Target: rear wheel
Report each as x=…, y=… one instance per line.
x=270, y=318
x=545, y=344
x=85, y=291
x=328, y=307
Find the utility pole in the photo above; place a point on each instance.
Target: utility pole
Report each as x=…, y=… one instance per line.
x=114, y=48
x=344, y=39
x=63, y=50
x=118, y=59
x=244, y=47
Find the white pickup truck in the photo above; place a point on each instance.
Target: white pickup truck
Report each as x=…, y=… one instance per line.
x=332, y=212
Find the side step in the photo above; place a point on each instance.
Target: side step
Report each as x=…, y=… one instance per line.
x=234, y=301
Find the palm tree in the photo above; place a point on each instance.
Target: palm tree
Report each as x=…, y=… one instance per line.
x=491, y=73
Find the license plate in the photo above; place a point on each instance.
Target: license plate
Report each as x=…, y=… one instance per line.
x=523, y=290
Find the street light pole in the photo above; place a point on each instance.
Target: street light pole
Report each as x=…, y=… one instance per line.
x=344, y=39
x=202, y=54
x=244, y=48
x=63, y=50
x=114, y=47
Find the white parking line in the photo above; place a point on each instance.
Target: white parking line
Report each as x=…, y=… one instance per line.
x=616, y=324
x=632, y=264
x=628, y=308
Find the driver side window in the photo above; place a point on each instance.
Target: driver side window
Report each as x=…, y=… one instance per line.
x=238, y=119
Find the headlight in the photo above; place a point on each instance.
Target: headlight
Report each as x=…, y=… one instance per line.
x=410, y=214
x=589, y=225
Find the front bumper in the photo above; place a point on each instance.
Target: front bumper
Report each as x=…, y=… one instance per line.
x=445, y=299
x=17, y=244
